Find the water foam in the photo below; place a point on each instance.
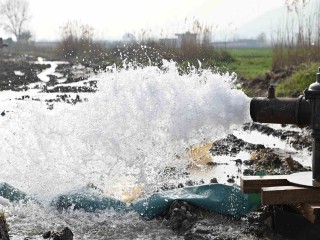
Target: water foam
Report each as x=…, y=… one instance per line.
x=137, y=124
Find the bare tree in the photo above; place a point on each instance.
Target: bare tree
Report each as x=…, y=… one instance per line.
x=16, y=15
x=262, y=38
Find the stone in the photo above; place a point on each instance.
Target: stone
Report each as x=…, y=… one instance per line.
x=46, y=235
x=180, y=216
x=213, y=180
x=64, y=234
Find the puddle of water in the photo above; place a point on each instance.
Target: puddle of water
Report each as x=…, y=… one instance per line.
x=43, y=76
x=18, y=73
x=302, y=156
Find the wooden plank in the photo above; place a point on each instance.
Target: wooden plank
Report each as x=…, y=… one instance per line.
x=289, y=195
x=310, y=211
x=253, y=184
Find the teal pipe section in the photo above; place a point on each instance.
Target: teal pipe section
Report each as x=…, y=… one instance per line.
x=13, y=194
x=212, y=197
x=89, y=200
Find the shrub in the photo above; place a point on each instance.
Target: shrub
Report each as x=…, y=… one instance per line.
x=77, y=44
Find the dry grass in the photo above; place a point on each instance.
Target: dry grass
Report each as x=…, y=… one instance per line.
x=299, y=40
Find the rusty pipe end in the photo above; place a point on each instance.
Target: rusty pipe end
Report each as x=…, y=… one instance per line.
x=281, y=110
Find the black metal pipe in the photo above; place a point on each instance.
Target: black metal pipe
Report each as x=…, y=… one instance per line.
x=281, y=110
x=316, y=157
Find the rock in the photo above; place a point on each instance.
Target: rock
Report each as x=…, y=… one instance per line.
x=213, y=180
x=248, y=172
x=46, y=235
x=248, y=162
x=190, y=183
x=238, y=161
x=231, y=180
x=64, y=234
x=212, y=164
x=180, y=216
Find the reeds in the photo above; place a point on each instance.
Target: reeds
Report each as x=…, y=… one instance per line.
x=299, y=40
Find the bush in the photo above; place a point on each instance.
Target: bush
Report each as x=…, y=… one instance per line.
x=77, y=44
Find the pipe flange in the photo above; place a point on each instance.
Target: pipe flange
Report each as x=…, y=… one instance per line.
x=303, y=179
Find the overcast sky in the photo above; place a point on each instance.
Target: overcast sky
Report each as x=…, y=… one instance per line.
x=112, y=18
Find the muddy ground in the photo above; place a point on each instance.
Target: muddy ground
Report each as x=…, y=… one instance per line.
x=18, y=72
x=194, y=223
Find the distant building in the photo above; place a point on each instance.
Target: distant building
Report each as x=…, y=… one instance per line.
x=186, y=39
x=183, y=39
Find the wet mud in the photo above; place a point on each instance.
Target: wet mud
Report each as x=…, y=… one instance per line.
x=191, y=222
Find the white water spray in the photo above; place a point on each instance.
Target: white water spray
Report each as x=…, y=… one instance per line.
x=132, y=128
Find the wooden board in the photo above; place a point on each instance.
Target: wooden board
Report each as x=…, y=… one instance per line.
x=253, y=184
x=276, y=189
x=310, y=211
x=289, y=195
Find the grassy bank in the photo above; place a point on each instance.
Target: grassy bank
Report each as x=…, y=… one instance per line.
x=294, y=85
x=252, y=63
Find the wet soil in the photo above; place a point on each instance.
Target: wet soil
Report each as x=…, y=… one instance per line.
x=258, y=86
x=192, y=222
x=17, y=72
x=9, y=80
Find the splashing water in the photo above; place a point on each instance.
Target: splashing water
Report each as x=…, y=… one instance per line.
x=136, y=125
x=139, y=122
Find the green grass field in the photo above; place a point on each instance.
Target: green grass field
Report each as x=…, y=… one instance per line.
x=250, y=63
